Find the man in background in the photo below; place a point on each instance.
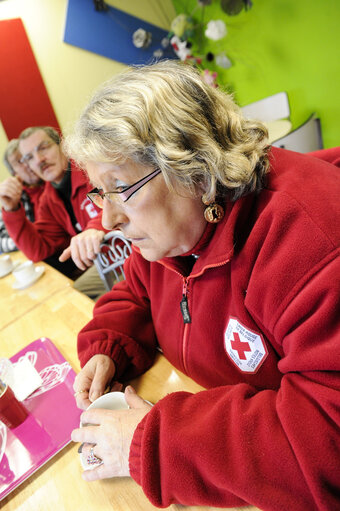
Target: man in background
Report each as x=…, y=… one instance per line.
x=67, y=223
x=24, y=185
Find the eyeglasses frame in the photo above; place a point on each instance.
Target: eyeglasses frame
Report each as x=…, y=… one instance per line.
x=37, y=149
x=125, y=194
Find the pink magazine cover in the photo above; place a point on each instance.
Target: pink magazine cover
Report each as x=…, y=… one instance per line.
x=53, y=415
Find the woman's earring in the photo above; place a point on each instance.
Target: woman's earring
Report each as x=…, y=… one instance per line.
x=213, y=213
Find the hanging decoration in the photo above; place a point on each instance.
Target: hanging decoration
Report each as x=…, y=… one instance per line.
x=233, y=7
x=141, y=38
x=210, y=77
x=223, y=61
x=182, y=26
x=192, y=38
x=189, y=33
x=216, y=30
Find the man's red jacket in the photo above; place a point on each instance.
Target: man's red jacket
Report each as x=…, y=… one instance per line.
x=52, y=230
x=262, y=335
x=34, y=193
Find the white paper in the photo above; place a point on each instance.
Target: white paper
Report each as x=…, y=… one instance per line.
x=26, y=379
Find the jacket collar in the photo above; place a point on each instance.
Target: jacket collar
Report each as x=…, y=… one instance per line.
x=218, y=242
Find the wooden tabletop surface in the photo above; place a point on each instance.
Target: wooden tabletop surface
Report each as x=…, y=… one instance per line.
x=15, y=302
x=55, y=310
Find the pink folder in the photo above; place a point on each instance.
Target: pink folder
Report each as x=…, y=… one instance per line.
x=53, y=415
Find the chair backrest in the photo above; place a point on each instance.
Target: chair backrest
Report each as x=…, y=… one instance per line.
x=109, y=262
x=272, y=108
x=304, y=139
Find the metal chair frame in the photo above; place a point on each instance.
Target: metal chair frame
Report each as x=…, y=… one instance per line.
x=114, y=250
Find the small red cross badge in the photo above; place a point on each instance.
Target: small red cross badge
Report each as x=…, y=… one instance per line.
x=240, y=346
x=246, y=349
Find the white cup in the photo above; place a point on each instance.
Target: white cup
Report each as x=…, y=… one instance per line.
x=109, y=401
x=25, y=272
x=6, y=263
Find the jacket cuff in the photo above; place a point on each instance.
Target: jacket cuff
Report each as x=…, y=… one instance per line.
x=16, y=214
x=135, y=463
x=114, y=351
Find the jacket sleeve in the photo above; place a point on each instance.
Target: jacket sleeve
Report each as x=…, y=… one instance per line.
x=121, y=328
x=96, y=222
x=234, y=445
x=37, y=240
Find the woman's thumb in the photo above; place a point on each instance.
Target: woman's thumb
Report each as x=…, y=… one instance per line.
x=133, y=399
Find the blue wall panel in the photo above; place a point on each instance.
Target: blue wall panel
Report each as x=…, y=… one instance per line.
x=109, y=33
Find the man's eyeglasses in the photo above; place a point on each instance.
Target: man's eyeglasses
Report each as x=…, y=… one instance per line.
x=97, y=196
x=41, y=149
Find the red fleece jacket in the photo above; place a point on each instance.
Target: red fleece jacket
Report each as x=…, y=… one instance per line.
x=34, y=193
x=263, y=337
x=52, y=230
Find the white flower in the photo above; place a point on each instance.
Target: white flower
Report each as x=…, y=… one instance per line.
x=180, y=48
x=223, y=61
x=141, y=38
x=216, y=29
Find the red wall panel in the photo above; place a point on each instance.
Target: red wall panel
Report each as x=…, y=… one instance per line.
x=23, y=97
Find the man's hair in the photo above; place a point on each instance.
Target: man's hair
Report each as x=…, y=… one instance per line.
x=50, y=132
x=12, y=147
x=165, y=116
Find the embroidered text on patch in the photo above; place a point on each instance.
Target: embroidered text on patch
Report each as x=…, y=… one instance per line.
x=246, y=348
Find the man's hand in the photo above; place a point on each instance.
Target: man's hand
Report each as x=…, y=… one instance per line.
x=83, y=248
x=10, y=193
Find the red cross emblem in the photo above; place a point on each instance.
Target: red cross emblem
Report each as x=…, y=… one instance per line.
x=240, y=346
x=246, y=348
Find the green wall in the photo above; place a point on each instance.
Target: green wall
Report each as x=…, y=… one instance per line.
x=291, y=45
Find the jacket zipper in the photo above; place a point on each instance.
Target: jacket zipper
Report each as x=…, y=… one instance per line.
x=187, y=320
x=184, y=305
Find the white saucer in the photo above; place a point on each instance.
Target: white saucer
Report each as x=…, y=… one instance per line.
x=39, y=270
x=7, y=272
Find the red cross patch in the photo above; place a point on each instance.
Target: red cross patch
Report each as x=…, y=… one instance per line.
x=246, y=349
x=91, y=210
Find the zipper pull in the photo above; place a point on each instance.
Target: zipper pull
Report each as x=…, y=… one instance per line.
x=184, y=304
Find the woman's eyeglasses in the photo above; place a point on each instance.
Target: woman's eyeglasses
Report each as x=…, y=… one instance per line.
x=97, y=196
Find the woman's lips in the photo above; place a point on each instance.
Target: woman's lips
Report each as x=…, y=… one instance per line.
x=136, y=240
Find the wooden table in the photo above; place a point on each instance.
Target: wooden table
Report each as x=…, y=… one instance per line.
x=58, y=484
x=15, y=303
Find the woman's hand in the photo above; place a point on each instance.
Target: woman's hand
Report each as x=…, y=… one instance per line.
x=110, y=436
x=93, y=379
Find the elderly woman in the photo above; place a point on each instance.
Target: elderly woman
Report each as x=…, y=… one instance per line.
x=235, y=276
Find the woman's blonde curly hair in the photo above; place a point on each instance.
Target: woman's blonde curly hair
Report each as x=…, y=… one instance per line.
x=165, y=116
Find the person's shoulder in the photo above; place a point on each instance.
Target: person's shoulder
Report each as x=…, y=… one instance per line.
x=78, y=176
x=312, y=182
x=306, y=189
x=288, y=167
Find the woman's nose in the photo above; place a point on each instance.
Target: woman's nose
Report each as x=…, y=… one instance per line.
x=113, y=215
